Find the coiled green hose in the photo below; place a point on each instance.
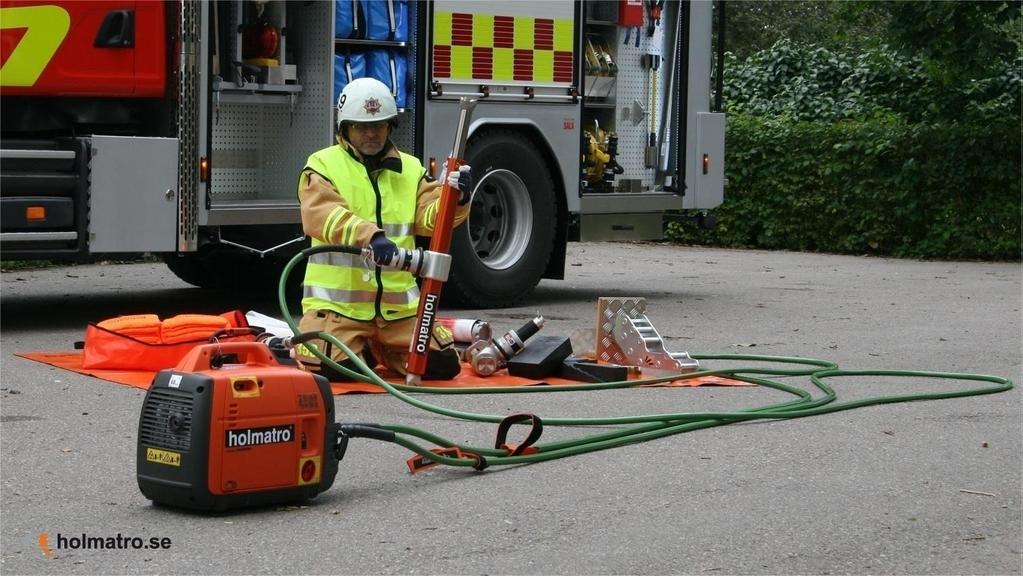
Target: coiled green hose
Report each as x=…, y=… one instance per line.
x=634, y=428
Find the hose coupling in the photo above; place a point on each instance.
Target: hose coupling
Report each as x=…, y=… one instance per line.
x=420, y=263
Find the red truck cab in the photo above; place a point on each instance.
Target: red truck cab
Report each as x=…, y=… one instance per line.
x=107, y=48
x=72, y=72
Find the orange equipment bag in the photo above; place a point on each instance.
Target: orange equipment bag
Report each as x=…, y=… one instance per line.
x=144, y=342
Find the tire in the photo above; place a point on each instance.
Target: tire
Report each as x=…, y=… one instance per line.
x=499, y=255
x=192, y=269
x=220, y=269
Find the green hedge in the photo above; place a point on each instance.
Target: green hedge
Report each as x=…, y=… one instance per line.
x=877, y=186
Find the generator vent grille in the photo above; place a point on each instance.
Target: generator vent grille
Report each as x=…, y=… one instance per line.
x=167, y=419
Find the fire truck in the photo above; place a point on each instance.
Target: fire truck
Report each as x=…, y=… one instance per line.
x=179, y=129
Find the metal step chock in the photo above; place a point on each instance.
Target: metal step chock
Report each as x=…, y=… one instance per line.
x=626, y=336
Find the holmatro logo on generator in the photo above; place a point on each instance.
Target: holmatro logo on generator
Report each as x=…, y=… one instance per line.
x=260, y=436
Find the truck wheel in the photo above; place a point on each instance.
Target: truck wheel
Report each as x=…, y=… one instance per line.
x=192, y=269
x=499, y=255
x=223, y=269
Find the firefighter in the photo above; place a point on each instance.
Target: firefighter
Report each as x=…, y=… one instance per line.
x=364, y=192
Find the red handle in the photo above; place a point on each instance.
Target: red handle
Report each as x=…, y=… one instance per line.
x=429, y=298
x=250, y=353
x=440, y=242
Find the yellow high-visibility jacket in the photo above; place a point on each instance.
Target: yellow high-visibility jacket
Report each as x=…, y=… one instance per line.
x=343, y=202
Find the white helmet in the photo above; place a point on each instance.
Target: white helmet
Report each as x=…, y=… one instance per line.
x=365, y=100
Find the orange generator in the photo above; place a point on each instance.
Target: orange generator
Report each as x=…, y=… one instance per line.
x=230, y=427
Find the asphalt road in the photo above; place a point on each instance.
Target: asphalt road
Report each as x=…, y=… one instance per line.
x=915, y=488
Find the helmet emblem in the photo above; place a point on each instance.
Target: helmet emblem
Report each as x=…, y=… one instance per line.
x=372, y=106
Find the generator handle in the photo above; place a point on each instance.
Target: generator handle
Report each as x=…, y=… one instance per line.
x=236, y=331
x=205, y=357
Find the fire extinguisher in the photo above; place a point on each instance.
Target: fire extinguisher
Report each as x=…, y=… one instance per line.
x=630, y=13
x=260, y=38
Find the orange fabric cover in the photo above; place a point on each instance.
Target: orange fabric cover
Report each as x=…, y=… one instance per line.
x=467, y=379
x=144, y=327
x=235, y=318
x=189, y=327
x=107, y=348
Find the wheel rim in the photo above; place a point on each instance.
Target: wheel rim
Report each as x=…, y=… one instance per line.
x=500, y=219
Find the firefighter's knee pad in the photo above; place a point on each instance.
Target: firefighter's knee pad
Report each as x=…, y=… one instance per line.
x=442, y=365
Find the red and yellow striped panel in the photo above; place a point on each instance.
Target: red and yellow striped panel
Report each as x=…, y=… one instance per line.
x=487, y=47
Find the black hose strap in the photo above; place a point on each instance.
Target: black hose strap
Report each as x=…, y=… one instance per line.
x=305, y=337
x=342, y=443
x=508, y=422
x=232, y=332
x=481, y=462
x=373, y=431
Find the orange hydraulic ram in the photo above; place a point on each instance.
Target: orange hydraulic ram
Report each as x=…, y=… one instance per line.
x=429, y=298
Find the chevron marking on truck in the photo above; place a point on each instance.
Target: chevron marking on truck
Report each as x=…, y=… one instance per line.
x=42, y=29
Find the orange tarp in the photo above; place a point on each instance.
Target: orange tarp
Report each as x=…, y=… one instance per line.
x=142, y=378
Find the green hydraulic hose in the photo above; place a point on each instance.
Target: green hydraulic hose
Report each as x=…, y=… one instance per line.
x=646, y=427
x=620, y=433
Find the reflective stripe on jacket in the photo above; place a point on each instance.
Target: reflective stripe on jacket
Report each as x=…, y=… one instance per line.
x=346, y=283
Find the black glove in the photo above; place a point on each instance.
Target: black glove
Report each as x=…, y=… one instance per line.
x=462, y=180
x=383, y=249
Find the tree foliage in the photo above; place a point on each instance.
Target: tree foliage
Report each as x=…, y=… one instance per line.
x=756, y=25
x=924, y=60
x=971, y=51
x=959, y=40
x=879, y=186
x=804, y=82
x=903, y=140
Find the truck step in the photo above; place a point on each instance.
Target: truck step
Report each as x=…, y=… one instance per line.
x=38, y=184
